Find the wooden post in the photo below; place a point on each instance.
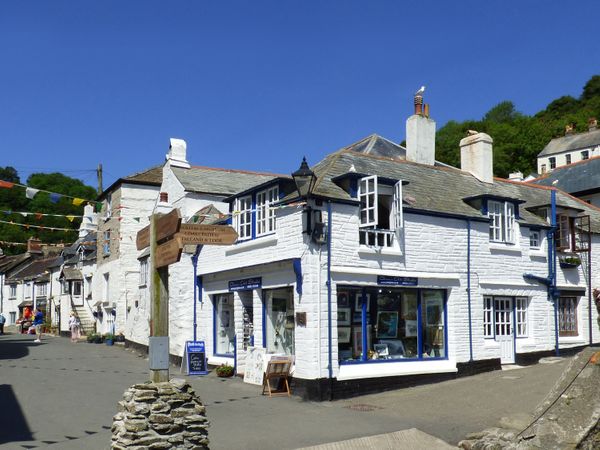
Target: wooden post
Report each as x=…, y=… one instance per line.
x=159, y=311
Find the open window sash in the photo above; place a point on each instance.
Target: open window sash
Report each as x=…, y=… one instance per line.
x=367, y=195
x=397, y=214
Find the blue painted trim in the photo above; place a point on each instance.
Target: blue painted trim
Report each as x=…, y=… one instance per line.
x=468, y=291
x=297, y=264
x=514, y=330
x=421, y=212
x=264, y=319
x=214, y=304
x=484, y=207
x=364, y=325
x=197, y=284
x=354, y=188
x=446, y=324
x=253, y=217
x=419, y=325
x=329, y=328
x=235, y=354
x=385, y=361
x=517, y=213
x=552, y=266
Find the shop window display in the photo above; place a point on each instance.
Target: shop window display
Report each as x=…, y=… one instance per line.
x=400, y=324
x=280, y=320
x=224, y=324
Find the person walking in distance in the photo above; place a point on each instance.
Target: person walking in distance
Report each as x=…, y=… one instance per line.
x=74, y=327
x=2, y=322
x=38, y=320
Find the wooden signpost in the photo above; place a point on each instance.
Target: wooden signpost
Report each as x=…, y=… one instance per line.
x=166, y=237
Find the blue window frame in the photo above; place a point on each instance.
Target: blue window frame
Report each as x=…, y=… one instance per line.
x=252, y=214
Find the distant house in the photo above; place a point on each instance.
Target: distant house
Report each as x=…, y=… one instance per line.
x=570, y=148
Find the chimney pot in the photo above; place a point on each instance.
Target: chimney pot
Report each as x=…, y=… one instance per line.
x=569, y=129
x=419, y=105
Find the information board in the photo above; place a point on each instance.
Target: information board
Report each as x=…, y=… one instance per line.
x=255, y=365
x=245, y=284
x=195, y=356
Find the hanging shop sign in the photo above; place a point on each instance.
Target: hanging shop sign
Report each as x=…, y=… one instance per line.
x=385, y=280
x=195, y=357
x=245, y=284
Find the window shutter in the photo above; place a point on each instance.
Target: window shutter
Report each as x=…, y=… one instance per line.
x=397, y=214
x=367, y=194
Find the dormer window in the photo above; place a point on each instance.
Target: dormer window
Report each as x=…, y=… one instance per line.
x=502, y=221
x=265, y=215
x=380, y=212
x=242, y=217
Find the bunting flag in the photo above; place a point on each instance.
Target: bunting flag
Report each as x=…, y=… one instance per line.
x=6, y=184
x=39, y=216
x=37, y=226
x=54, y=198
x=71, y=218
x=30, y=192
x=78, y=201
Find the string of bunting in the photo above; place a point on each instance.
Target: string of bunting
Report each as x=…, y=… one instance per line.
x=30, y=193
x=38, y=216
x=28, y=226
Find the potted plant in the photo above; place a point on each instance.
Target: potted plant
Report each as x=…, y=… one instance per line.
x=109, y=338
x=90, y=338
x=569, y=262
x=224, y=371
x=120, y=337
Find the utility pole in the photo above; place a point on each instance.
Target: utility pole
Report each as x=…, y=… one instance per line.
x=99, y=174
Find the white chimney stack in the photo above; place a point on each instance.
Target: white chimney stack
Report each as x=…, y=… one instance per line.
x=177, y=154
x=476, y=156
x=420, y=134
x=515, y=176
x=89, y=222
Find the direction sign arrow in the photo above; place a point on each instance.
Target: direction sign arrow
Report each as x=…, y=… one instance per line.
x=143, y=238
x=168, y=225
x=168, y=252
x=207, y=234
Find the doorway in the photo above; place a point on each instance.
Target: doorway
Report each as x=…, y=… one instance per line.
x=503, y=319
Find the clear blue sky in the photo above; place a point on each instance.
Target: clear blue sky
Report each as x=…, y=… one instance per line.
x=258, y=84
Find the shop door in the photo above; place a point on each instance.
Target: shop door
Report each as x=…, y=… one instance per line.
x=503, y=308
x=225, y=325
x=280, y=321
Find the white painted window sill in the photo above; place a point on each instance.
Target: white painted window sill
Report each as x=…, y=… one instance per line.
x=261, y=242
x=537, y=253
x=366, y=250
x=499, y=247
x=356, y=371
x=575, y=340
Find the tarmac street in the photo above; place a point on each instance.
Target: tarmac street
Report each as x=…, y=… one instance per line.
x=61, y=395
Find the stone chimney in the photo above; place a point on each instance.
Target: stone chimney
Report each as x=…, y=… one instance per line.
x=569, y=129
x=420, y=135
x=592, y=124
x=177, y=155
x=34, y=245
x=515, y=176
x=476, y=156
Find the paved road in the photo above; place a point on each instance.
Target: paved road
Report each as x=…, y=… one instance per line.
x=60, y=395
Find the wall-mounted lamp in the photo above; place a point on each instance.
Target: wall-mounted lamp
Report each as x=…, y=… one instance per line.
x=305, y=180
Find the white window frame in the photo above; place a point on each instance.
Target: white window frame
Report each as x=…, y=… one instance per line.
x=571, y=318
x=521, y=306
x=13, y=317
x=368, y=196
x=144, y=272
x=502, y=221
x=28, y=290
x=42, y=290
x=108, y=213
x=242, y=217
x=106, y=243
x=488, y=317
x=64, y=287
x=535, y=239
x=265, y=215
x=106, y=286
x=88, y=280
x=12, y=291
x=397, y=221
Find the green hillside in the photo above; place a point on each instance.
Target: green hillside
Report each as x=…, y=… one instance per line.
x=518, y=138
x=14, y=201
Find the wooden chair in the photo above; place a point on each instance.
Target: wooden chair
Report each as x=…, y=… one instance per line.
x=279, y=370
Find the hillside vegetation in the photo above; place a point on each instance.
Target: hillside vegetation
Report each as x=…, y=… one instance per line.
x=518, y=138
x=13, y=201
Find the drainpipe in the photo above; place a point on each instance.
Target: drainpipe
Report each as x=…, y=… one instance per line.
x=195, y=264
x=469, y=289
x=590, y=285
x=329, y=330
x=552, y=266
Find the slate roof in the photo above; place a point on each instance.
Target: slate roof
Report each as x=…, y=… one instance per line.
x=572, y=142
x=582, y=176
x=438, y=190
x=71, y=274
x=36, y=269
x=208, y=180
x=209, y=215
x=10, y=262
x=150, y=177
x=376, y=145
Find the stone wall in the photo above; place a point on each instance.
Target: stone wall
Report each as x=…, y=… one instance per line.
x=160, y=416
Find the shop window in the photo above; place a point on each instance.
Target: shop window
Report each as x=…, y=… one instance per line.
x=280, y=320
x=399, y=324
x=224, y=324
x=242, y=217
x=502, y=221
x=265, y=215
x=381, y=218
x=567, y=316
x=12, y=292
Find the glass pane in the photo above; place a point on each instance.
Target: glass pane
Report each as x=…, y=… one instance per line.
x=349, y=317
x=225, y=327
x=280, y=321
x=432, y=311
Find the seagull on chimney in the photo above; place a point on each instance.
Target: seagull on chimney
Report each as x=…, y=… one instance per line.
x=420, y=91
x=472, y=132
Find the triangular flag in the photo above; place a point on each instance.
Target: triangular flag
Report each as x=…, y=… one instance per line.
x=55, y=197
x=30, y=192
x=71, y=218
x=6, y=184
x=78, y=201
x=137, y=219
x=24, y=214
x=39, y=216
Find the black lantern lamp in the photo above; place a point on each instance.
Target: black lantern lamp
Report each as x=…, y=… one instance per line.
x=305, y=180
